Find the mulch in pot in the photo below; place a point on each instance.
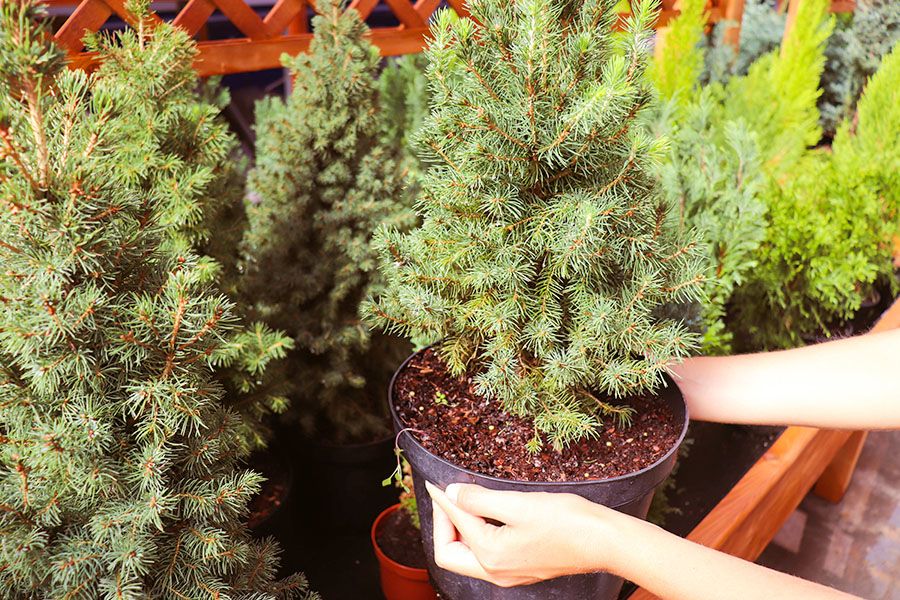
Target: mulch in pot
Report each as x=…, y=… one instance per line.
x=472, y=432
x=399, y=539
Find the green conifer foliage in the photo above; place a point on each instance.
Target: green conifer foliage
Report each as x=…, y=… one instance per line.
x=118, y=462
x=834, y=223
x=777, y=98
x=196, y=180
x=676, y=70
x=712, y=173
x=875, y=31
x=837, y=78
x=545, y=249
x=762, y=28
x=322, y=183
x=403, y=98
x=871, y=145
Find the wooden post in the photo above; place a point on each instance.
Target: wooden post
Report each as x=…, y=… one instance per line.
x=734, y=11
x=793, y=8
x=835, y=480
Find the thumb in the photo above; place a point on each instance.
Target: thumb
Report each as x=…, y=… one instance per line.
x=505, y=507
x=470, y=527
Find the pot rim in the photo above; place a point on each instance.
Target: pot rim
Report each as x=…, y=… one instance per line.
x=405, y=571
x=396, y=418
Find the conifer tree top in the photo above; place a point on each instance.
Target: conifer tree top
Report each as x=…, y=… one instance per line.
x=545, y=249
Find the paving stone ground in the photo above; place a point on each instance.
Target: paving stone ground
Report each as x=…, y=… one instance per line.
x=853, y=545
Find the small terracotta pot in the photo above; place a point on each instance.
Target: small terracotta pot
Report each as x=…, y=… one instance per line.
x=399, y=582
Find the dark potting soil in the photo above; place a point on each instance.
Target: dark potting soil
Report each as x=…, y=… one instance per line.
x=474, y=433
x=399, y=539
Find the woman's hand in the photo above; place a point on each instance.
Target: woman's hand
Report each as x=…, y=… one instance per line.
x=541, y=535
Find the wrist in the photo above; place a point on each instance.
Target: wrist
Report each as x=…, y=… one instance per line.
x=618, y=540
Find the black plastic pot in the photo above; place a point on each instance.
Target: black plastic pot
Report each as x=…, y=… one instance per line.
x=630, y=494
x=344, y=492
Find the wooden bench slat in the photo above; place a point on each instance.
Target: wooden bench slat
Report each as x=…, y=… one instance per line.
x=750, y=515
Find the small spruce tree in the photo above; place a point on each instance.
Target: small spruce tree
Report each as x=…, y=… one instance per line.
x=875, y=31
x=196, y=180
x=119, y=474
x=322, y=182
x=403, y=100
x=545, y=248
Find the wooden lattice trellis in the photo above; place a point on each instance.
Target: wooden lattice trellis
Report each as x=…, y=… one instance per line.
x=285, y=28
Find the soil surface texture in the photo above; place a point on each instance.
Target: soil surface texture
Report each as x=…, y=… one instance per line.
x=464, y=428
x=399, y=539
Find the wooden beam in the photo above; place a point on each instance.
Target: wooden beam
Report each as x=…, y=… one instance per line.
x=793, y=9
x=750, y=515
x=835, y=480
x=244, y=18
x=406, y=14
x=194, y=15
x=238, y=56
x=282, y=14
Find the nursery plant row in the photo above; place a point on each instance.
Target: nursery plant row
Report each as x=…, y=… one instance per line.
x=475, y=265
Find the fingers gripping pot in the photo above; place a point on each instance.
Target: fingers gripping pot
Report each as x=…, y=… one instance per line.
x=630, y=494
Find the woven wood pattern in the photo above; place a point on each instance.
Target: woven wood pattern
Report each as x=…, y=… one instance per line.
x=284, y=28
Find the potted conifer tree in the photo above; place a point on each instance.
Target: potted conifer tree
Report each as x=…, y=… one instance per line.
x=544, y=256
x=322, y=182
x=119, y=462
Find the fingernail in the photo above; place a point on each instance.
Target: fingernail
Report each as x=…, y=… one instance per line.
x=430, y=487
x=452, y=492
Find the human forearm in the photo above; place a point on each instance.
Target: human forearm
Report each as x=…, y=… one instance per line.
x=845, y=384
x=676, y=569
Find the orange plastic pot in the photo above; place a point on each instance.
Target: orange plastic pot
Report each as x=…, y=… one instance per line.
x=399, y=582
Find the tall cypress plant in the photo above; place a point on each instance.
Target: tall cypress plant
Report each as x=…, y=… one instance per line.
x=545, y=249
x=835, y=222
x=119, y=472
x=323, y=181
